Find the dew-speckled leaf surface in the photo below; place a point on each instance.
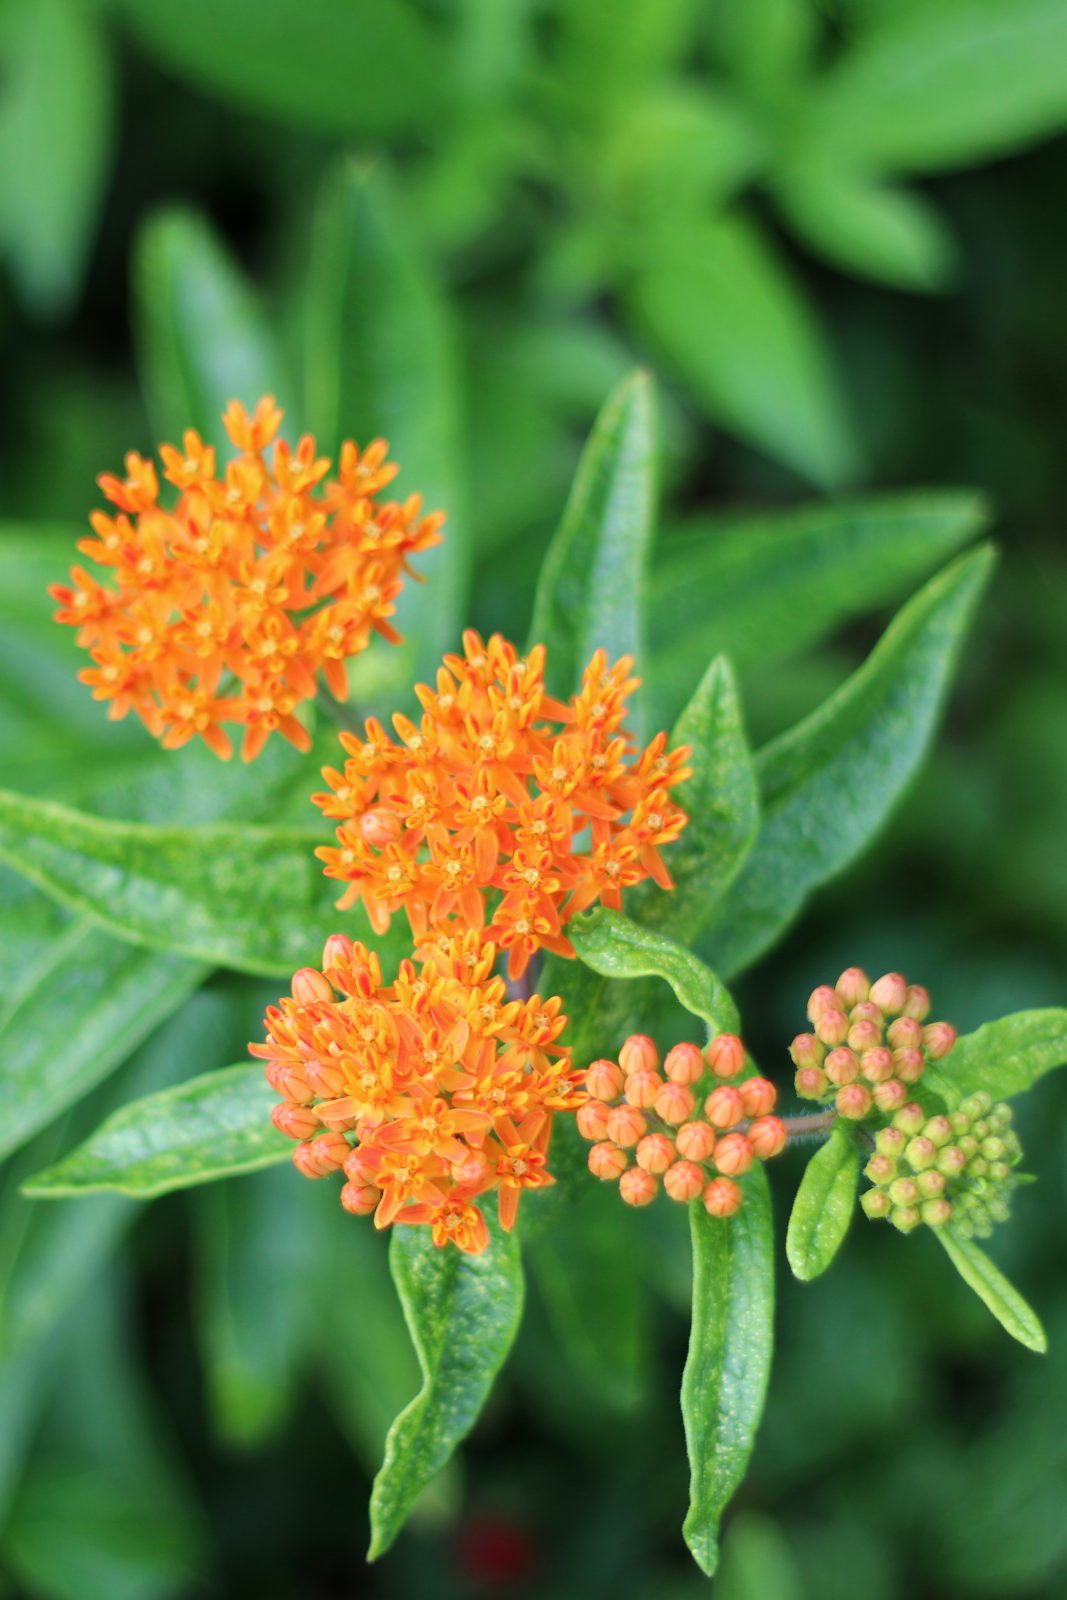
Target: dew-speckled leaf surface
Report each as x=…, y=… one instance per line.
x=1005, y=1057
x=617, y=948
x=588, y=593
x=463, y=1313
x=993, y=1289
x=728, y=1367
x=214, y=1126
x=824, y=1203
x=722, y=802
x=829, y=784
x=248, y=897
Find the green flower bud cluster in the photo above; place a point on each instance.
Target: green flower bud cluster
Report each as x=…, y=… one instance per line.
x=956, y=1168
x=870, y=1044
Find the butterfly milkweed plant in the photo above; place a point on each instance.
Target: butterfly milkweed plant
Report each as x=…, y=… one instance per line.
x=491, y=893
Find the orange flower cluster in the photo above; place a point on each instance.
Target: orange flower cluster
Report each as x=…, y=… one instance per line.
x=870, y=1044
x=226, y=606
x=485, y=797
x=427, y=1093
x=636, y=1111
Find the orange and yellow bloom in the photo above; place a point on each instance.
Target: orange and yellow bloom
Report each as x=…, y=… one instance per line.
x=225, y=606
x=428, y=1093
x=502, y=808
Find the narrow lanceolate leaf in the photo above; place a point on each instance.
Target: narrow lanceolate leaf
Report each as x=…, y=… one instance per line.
x=728, y=1367
x=209, y=1127
x=463, y=1313
x=993, y=1289
x=1005, y=1057
x=824, y=1203
x=763, y=588
x=247, y=897
x=588, y=594
x=829, y=784
x=380, y=359
x=721, y=801
x=202, y=337
x=615, y=947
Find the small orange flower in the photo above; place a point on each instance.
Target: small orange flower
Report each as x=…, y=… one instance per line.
x=225, y=606
x=428, y=1092
x=474, y=816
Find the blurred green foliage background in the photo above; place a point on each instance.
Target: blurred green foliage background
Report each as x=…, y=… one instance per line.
x=834, y=233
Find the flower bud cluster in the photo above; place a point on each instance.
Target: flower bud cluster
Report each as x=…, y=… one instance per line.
x=682, y=1123
x=869, y=1045
x=956, y=1168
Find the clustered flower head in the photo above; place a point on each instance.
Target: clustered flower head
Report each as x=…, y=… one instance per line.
x=224, y=606
x=649, y=1126
x=501, y=808
x=956, y=1167
x=426, y=1093
x=870, y=1044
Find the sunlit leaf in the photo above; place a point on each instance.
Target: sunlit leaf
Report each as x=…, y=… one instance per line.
x=1005, y=1057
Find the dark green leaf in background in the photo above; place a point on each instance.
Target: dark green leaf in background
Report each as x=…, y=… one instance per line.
x=824, y=1204
x=869, y=227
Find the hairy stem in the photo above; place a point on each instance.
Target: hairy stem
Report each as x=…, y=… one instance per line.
x=809, y=1127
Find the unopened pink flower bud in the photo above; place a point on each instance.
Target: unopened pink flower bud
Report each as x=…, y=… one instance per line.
x=724, y=1107
x=325, y=1077
x=608, y=1162
x=674, y=1103
x=931, y=1183
x=807, y=1051
x=684, y=1181
x=920, y=1152
x=321, y=1156
x=733, y=1154
x=642, y=1087
x=935, y=1213
x=360, y=1198
x=767, y=1137
x=841, y=1066
x=890, y=1095
x=867, y=1011
x=853, y=986
x=758, y=1096
x=905, y=1218
x=875, y=1203
x=380, y=827
x=938, y=1038
x=638, y=1187
x=890, y=993
x=909, y=1065
x=337, y=951
x=684, y=1063
x=880, y=1168
x=938, y=1130
x=832, y=1027
x=603, y=1080
x=626, y=1124
x=655, y=1152
x=296, y=1122
x=309, y=986
x=592, y=1120
x=905, y=1034
x=877, y=1065
x=890, y=1141
x=904, y=1191
x=864, y=1035
x=909, y=1120
x=853, y=1101
x=722, y=1198
x=639, y=1051
x=811, y=1083
x=951, y=1160
x=917, y=1003
x=725, y=1055
x=695, y=1140
x=822, y=999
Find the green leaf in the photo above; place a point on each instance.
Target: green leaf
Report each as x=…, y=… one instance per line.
x=829, y=784
x=588, y=592
x=615, y=947
x=209, y=1127
x=202, y=338
x=722, y=309
x=993, y=1289
x=765, y=587
x=943, y=86
x=381, y=359
x=463, y=1313
x=765, y=44
x=887, y=234
x=371, y=68
x=758, y=1562
x=201, y=892
x=1005, y=1057
x=56, y=121
x=721, y=801
x=728, y=1367
x=824, y=1203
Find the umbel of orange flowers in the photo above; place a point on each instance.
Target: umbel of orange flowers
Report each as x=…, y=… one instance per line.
x=426, y=1093
x=472, y=817
x=225, y=606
